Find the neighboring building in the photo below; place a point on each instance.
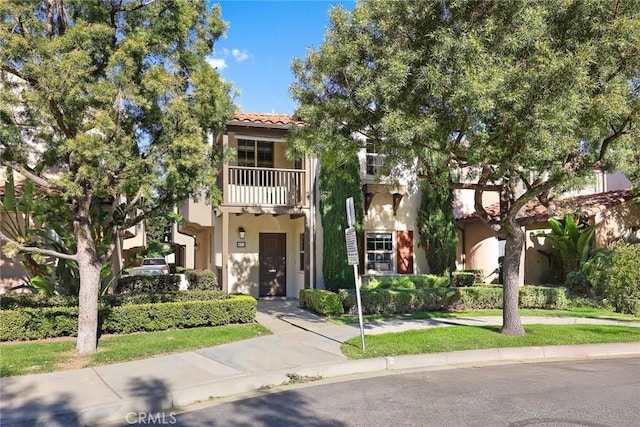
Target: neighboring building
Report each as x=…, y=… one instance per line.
x=12, y=273
x=606, y=202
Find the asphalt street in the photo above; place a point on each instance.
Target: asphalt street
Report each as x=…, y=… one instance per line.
x=593, y=393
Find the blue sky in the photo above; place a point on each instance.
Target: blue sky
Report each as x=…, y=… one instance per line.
x=262, y=39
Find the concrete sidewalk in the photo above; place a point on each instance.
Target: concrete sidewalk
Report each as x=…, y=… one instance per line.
x=301, y=344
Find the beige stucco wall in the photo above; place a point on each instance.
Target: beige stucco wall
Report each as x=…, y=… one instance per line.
x=243, y=263
x=616, y=222
x=463, y=201
x=380, y=218
x=481, y=249
x=537, y=266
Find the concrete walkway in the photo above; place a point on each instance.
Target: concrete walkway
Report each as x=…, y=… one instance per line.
x=302, y=344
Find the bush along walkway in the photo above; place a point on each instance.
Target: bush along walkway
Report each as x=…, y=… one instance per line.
x=303, y=346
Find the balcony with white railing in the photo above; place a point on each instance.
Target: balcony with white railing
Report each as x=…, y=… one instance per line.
x=264, y=187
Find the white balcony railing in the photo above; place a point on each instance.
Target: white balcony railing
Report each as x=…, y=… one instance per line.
x=263, y=186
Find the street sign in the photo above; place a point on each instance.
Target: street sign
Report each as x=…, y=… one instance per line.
x=351, y=213
x=352, y=246
x=353, y=258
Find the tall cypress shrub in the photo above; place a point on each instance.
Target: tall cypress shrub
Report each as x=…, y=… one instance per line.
x=338, y=181
x=437, y=226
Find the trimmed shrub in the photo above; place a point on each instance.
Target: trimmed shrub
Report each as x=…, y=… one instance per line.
x=154, y=297
x=202, y=279
x=481, y=297
x=407, y=282
x=397, y=301
x=38, y=323
x=623, y=287
x=554, y=298
x=139, y=284
x=241, y=308
x=464, y=278
x=430, y=281
x=14, y=302
x=47, y=322
x=322, y=302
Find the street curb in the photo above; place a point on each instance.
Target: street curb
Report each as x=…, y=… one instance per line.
x=110, y=412
x=451, y=360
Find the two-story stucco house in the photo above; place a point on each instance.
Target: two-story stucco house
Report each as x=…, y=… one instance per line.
x=265, y=237
x=258, y=238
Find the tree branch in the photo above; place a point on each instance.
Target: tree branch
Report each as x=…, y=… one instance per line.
x=608, y=140
x=59, y=118
x=37, y=250
x=28, y=173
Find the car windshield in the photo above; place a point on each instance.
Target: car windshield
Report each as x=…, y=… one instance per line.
x=154, y=261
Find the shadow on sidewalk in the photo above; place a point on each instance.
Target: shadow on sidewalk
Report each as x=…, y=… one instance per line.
x=52, y=412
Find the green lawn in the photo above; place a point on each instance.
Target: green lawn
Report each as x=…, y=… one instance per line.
x=594, y=313
x=436, y=340
x=54, y=355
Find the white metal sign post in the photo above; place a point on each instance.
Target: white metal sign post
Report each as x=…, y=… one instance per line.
x=354, y=259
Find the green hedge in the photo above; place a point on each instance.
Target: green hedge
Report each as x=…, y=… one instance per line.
x=481, y=298
x=549, y=297
x=202, y=279
x=15, y=302
x=466, y=278
x=325, y=303
x=146, y=283
x=38, y=323
x=407, y=282
x=399, y=301
x=623, y=287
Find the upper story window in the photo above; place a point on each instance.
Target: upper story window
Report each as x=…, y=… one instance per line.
x=374, y=160
x=253, y=153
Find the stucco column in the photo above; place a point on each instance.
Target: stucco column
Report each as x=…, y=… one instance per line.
x=225, y=251
x=307, y=248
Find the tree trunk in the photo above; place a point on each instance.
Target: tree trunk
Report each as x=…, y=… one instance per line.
x=511, y=324
x=89, y=268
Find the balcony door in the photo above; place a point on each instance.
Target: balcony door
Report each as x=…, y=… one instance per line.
x=273, y=264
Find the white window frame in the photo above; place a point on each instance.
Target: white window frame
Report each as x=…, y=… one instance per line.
x=373, y=160
x=392, y=252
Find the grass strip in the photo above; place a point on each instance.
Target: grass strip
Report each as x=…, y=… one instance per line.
x=36, y=357
x=454, y=338
x=591, y=313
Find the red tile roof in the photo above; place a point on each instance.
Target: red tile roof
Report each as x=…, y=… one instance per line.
x=590, y=204
x=265, y=119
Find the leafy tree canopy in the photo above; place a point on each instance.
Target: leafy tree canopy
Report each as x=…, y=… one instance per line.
x=111, y=101
x=531, y=95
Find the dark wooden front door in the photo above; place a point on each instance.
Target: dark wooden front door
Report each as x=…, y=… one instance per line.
x=273, y=264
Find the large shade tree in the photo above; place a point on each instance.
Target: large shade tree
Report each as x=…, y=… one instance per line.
x=110, y=101
x=528, y=97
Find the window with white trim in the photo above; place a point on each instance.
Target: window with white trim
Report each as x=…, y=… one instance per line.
x=379, y=252
x=374, y=160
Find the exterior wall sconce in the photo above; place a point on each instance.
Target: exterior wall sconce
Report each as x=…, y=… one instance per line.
x=241, y=232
